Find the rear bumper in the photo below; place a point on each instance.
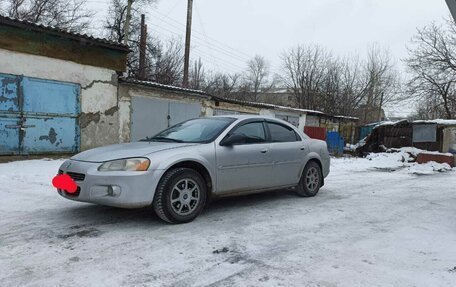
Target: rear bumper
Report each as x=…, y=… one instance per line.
x=119, y=189
x=326, y=166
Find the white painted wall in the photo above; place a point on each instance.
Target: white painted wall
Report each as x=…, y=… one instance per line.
x=302, y=122
x=312, y=121
x=98, y=91
x=267, y=113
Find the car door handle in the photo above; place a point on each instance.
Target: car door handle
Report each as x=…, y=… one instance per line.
x=264, y=150
x=303, y=148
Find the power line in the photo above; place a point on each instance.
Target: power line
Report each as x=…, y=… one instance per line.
x=200, y=53
x=198, y=42
x=202, y=27
x=234, y=50
x=216, y=47
x=174, y=7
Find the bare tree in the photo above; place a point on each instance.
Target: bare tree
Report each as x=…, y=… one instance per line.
x=432, y=66
x=257, y=77
x=164, y=60
x=342, y=86
x=223, y=85
x=197, y=75
x=331, y=86
x=70, y=15
x=304, y=69
x=114, y=30
x=168, y=64
x=381, y=83
x=351, y=90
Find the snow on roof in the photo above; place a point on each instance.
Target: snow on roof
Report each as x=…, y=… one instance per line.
x=62, y=32
x=389, y=123
x=438, y=122
x=346, y=117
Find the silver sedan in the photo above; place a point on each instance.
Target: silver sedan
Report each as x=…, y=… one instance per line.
x=178, y=170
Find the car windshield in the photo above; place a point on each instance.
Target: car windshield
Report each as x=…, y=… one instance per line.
x=194, y=131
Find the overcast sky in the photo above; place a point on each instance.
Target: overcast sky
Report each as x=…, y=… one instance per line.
x=228, y=32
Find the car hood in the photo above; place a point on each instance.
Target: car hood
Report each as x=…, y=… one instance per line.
x=127, y=150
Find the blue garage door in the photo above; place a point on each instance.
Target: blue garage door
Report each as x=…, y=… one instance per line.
x=38, y=116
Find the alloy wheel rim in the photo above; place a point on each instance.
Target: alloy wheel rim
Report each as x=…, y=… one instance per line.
x=185, y=196
x=312, y=179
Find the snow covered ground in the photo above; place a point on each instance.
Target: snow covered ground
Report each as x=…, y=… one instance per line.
x=377, y=222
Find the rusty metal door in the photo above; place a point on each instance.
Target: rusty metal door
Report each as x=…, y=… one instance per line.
x=38, y=116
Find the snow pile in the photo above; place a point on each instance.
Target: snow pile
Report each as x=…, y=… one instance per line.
x=389, y=161
x=429, y=168
x=404, y=159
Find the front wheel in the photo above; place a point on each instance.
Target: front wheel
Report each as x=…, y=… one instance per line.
x=311, y=180
x=180, y=196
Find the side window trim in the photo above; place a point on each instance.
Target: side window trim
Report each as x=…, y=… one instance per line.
x=267, y=131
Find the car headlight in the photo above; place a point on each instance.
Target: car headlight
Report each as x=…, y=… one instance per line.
x=128, y=164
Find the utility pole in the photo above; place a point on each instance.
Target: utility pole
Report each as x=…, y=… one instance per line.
x=452, y=6
x=187, y=42
x=127, y=22
x=142, y=48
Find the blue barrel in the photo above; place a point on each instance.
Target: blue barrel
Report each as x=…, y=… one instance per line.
x=335, y=142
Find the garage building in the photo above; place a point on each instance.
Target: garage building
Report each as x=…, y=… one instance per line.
x=58, y=90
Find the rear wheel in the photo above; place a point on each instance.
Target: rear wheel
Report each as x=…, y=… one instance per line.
x=311, y=180
x=180, y=196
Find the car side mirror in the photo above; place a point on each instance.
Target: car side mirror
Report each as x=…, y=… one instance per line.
x=233, y=139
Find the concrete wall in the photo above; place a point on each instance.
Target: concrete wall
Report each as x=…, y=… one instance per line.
x=99, y=119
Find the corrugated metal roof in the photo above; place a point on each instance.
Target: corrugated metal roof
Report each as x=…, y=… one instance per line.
x=164, y=87
x=62, y=32
x=227, y=100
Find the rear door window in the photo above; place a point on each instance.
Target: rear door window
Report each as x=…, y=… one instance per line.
x=281, y=133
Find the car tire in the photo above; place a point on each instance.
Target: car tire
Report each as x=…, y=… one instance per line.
x=311, y=180
x=180, y=196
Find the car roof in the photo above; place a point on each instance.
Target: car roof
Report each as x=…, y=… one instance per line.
x=239, y=118
x=243, y=117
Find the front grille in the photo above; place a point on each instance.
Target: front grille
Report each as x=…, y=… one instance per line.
x=76, y=194
x=76, y=176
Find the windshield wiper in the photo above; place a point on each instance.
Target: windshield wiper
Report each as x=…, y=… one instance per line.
x=159, y=139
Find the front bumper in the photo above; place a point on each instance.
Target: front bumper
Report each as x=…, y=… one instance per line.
x=126, y=189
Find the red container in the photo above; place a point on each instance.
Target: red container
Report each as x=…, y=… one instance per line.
x=439, y=158
x=316, y=133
